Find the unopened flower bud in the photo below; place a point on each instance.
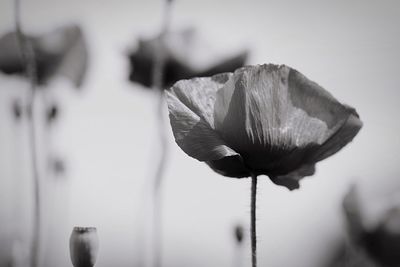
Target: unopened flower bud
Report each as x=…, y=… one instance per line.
x=83, y=246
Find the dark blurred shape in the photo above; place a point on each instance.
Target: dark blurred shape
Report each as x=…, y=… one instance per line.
x=239, y=233
x=177, y=48
x=353, y=214
x=379, y=246
x=57, y=166
x=84, y=246
x=17, y=109
x=52, y=113
x=346, y=255
x=60, y=52
x=383, y=242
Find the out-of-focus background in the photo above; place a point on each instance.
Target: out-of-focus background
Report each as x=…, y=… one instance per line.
x=107, y=133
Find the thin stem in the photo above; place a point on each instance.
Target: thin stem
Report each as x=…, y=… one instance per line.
x=29, y=63
x=157, y=183
x=37, y=212
x=158, y=84
x=253, y=221
x=237, y=261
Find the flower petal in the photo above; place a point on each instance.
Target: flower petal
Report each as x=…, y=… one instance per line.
x=229, y=64
x=231, y=166
x=199, y=94
x=259, y=120
x=10, y=55
x=66, y=53
x=190, y=105
x=291, y=180
x=383, y=243
x=339, y=139
x=61, y=52
x=75, y=58
x=185, y=57
x=274, y=117
x=353, y=213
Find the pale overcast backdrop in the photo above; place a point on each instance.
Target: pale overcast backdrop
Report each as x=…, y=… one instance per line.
x=107, y=133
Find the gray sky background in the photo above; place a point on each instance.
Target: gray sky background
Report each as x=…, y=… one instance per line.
x=107, y=132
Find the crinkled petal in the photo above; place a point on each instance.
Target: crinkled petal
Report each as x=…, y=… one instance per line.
x=189, y=112
x=199, y=94
x=274, y=117
x=275, y=120
x=339, y=139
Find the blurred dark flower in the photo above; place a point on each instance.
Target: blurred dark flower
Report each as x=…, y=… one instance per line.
x=346, y=255
x=264, y=119
x=382, y=242
x=183, y=53
x=84, y=246
x=57, y=166
x=17, y=109
x=52, y=113
x=239, y=233
x=60, y=52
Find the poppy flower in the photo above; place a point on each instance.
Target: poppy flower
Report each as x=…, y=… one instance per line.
x=186, y=56
x=60, y=52
x=381, y=243
x=264, y=119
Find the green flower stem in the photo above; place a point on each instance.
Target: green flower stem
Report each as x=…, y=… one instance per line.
x=28, y=59
x=253, y=221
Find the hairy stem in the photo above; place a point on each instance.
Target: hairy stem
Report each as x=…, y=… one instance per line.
x=253, y=221
x=29, y=63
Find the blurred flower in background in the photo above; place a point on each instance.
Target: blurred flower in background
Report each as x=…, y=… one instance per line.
x=187, y=55
x=60, y=52
x=158, y=63
x=369, y=246
x=39, y=59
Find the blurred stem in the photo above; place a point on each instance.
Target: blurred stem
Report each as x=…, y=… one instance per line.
x=253, y=221
x=28, y=61
x=157, y=212
x=237, y=261
x=158, y=85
